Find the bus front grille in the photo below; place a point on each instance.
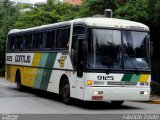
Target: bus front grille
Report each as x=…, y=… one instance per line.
x=122, y=83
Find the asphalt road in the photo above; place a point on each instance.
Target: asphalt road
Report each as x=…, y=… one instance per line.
x=32, y=101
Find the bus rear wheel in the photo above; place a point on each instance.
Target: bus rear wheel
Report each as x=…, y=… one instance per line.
x=18, y=82
x=66, y=92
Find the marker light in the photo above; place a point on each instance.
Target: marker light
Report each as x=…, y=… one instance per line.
x=89, y=82
x=97, y=92
x=97, y=97
x=143, y=92
x=144, y=84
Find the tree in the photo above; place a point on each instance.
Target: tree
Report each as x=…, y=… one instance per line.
x=136, y=10
x=8, y=15
x=51, y=12
x=93, y=7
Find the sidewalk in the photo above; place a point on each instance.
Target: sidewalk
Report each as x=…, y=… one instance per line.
x=4, y=82
x=154, y=99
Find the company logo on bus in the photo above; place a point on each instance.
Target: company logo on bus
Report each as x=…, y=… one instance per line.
x=62, y=61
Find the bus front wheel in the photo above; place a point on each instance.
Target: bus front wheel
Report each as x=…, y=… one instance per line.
x=66, y=92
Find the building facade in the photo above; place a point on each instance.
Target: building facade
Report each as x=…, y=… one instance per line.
x=75, y=2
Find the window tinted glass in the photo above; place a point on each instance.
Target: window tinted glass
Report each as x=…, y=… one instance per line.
x=27, y=41
x=49, y=39
x=37, y=40
x=74, y=50
x=104, y=48
x=78, y=30
x=62, y=38
x=136, y=50
x=10, y=44
x=18, y=42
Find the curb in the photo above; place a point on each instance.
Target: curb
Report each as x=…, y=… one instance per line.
x=2, y=77
x=154, y=101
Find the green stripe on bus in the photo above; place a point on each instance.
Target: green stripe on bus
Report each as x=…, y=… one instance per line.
x=40, y=72
x=47, y=73
x=127, y=77
x=38, y=78
x=43, y=59
x=135, y=78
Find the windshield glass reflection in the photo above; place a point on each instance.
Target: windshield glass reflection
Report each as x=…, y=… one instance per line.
x=136, y=47
x=104, y=48
x=107, y=49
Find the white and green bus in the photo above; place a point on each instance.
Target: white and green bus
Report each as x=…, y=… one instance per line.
x=91, y=59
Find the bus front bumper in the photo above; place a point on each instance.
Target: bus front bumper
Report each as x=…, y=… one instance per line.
x=117, y=93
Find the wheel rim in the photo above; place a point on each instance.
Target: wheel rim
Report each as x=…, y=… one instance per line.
x=66, y=93
x=18, y=85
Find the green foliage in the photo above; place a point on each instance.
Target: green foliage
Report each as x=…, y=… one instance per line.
x=93, y=7
x=154, y=12
x=8, y=16
x=136, y=10
x=145, y=11
x=23, y=6
x=51, y=12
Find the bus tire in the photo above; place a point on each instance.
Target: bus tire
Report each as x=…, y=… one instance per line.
x=18, y=81
x=66, y=92
x=117, y=103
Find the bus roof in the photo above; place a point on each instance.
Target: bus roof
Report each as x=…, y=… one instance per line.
x=113, y=23
x=92, y=22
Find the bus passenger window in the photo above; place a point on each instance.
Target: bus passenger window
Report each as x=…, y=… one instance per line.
x=27, y=41
x=18, y=42
x=37, y=40
x=10, y=44
x=62, y=38
x=74, y=50
x=49, y=39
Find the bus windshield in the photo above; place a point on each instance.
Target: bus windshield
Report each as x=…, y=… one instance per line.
x=118, y=49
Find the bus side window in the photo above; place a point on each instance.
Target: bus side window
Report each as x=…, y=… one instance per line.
x=27, y=42
x=10, y=42
x=62, y=38
x=37, y=40
x=18, y=42
x=49, y=39
x=77, y=31
x=74, y=50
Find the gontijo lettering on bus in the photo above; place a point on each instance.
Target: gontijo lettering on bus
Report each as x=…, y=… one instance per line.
x=19, y=58
x=23, y=58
